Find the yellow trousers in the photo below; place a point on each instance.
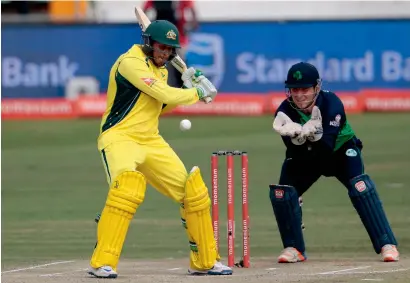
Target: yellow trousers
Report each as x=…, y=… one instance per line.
x=162, y=169
x=159, y=163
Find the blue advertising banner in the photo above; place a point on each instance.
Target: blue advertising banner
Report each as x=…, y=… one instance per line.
x=38, y=60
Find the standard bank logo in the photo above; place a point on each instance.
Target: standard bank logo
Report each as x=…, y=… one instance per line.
x=206, y=53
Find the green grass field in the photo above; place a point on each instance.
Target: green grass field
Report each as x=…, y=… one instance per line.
x=53, y=184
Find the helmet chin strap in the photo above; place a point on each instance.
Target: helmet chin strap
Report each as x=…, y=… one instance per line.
x=294, y=106
x=317, y=91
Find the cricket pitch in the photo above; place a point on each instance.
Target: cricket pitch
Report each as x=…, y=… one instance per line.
x=262, y=270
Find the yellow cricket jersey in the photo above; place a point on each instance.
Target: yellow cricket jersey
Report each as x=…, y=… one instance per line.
x=137, y=95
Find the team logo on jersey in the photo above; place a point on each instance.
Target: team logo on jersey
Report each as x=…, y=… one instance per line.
x=336, y=121
x=171, y=34
x=279, y=193
x=360, y=186
x=149, y=81
x=351, y=152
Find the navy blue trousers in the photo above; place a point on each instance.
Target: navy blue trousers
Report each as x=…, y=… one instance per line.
x=344, y=164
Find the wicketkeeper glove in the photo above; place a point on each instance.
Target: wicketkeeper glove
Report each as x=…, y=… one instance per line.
x=286, y=127
x=313, y=129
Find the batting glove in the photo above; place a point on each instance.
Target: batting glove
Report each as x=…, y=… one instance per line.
x=205, y=89
x=195, y=79
x=191, y=77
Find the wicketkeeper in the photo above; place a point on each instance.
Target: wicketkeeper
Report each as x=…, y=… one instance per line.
x=320, y=142
x=134, y=153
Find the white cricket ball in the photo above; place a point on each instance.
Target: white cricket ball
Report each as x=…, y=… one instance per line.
x=185, y=125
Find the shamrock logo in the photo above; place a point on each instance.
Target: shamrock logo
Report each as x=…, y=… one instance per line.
x=297, y=75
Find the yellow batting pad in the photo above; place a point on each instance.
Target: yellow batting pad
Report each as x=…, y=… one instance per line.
x=196, y=192
x=194, y=260
x=197, y=206
x=126, y=193
x=193, y=255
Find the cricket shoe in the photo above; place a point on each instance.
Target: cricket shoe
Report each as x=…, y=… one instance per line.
x=217, y=269
x=291, y=255
x=390, y=253
x=103, y=272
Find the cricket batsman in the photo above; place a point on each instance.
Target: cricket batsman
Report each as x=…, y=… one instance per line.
x=320, y=142
x=134, y=153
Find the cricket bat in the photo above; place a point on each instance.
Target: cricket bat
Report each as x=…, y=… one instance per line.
x=177, y=62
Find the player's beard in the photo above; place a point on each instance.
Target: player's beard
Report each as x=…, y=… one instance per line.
x=160, y=61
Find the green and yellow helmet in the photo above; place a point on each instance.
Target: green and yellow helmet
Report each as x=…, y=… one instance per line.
x=160, y=31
